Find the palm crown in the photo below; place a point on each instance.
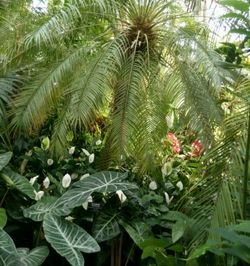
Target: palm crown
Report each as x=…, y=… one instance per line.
x=146, y=57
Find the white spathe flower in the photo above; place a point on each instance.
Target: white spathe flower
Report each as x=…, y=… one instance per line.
x=153, y=185
x=46, y=182
x=167, y=198
x=50, y=161
x=91, y=158
x=85, y=152
x=72, y=150
x=66, y=181
x=121, y=195
x=84, y=176
x=74, y=176
x=86, y=203
x=33, y=180
x=39, y=194
x=69, y=218
x=179, y=185
x=98, y=142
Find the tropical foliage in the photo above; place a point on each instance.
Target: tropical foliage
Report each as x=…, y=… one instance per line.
x=125, y=133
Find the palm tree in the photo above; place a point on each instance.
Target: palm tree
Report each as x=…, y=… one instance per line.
x=138, y=59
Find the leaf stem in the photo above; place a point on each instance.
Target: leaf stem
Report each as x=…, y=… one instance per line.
x=4, y=196
x=246, y=170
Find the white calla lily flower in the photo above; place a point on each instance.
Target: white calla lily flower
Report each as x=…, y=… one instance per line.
x=152, y=185
x=33, y=180
x=72, y=150
x=98, y=142
x=84, y=176
x=121, y=195
x=50, y=161
x=179, y=185
x=85, y=152
x=86, y=203
x=91, y=158
x=66, y=181
x=46, y=182
x=167, y=198
x=38, y=195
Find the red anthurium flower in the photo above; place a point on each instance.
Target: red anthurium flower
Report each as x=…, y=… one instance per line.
x=197, y=148
x=176, y=144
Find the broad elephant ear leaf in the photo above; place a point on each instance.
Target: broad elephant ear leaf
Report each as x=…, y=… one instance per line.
x=68, y=239
x=19, y=182
x=34, y=257
x=37, y=211
x=8, y=252
x=138, y=231
x=103, y=182
x=4, y=159
x=106, y=227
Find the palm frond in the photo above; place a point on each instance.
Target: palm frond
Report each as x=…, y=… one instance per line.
x=37, y=98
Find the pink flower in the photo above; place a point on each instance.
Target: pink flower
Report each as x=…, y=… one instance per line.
x=176, y=144
x=197, y=148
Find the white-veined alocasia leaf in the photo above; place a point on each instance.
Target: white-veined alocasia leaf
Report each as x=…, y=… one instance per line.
x=8, y=252
x=34, y=257
x=103, y=182
x=37, y=211
x=19, y=182
x=4, y=159
x=68, y=239
x=6, y=243
x=105, y=227
x=3, y=217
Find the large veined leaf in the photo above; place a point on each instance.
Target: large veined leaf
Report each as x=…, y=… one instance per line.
x=102, y=182
x=68, y=239
x=4, y=159
x=10, y=260
x=106, y=227
x=8, y=252
x=138, y=231
x=3, y=217
x=7, y=245
x=37, y=211
x=19, y=182
x=35, y=257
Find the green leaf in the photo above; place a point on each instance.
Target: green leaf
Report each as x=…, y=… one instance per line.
x=37, y=211
x=35, y=257
x=233, y=237
x=244, y=227
x=235, y=15
x=8, y=252
x=155, y=242
x=236, y=4
x=102, y=182
x=178, y=230
x=199, y=251
x=45, y=143
x=4, y=159
x=68, y=239
x=14, y=180
x=241, y=31
x=3, y=217
x=138, y=231
x=105, y=227
x=10, y=260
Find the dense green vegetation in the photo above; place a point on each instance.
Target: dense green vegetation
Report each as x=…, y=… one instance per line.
x=124, y=134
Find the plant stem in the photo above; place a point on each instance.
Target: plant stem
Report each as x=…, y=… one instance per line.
x=246, y=170
x=4, y=196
